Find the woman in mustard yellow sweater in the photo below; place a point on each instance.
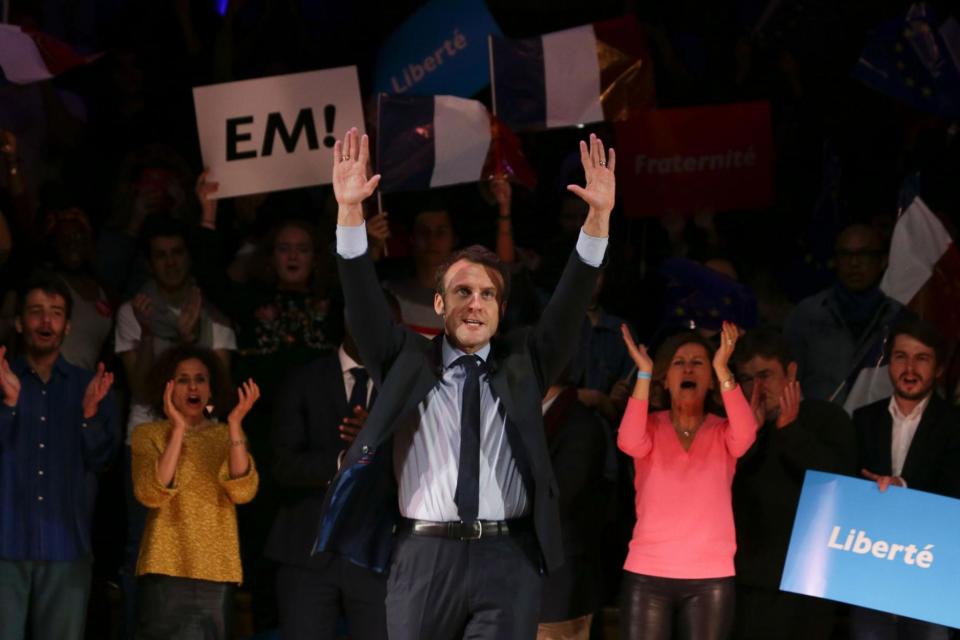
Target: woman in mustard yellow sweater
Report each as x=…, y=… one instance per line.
x=191, y=472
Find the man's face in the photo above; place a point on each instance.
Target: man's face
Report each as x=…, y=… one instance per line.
x=913, y=368
x=433, y=238
x=470, y=305
x=169, y=262
x=43, y=322
x=860, y=259
x=769, y=376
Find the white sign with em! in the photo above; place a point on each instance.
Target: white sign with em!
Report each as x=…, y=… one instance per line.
x=275, y=133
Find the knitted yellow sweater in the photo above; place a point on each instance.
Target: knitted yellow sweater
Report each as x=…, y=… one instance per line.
x=191, y=529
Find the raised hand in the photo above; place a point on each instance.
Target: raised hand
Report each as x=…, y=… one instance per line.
x=351, y=425
x=96, y=391
x=729, y=335
x=190, y=315
x=350, y=159
x=789, y=404
x=142, y=311
x=638, y=353
x=502, y=192
x=9, y=382
x=758, y=406
x=204, y=189
x=247, y=395
x=378, y=228
x=598, y=167
x=170, y=410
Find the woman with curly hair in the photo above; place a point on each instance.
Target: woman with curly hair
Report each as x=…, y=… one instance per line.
x=679, y=565
x=191, y=471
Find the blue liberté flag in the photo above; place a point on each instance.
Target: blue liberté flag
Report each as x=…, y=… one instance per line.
x=441, y=49
x=896, y=551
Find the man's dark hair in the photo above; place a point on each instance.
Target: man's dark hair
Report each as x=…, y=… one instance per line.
x=221, y=393
x=766, y=343
x=50, y=284
x=163, y=226
x=478, y=254
x=922, y=331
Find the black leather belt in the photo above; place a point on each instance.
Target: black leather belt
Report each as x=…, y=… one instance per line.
x=464, y=530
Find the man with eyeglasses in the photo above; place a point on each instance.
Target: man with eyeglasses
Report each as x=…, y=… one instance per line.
x=832, y=332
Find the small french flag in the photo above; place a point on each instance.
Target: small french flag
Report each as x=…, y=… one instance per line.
x=435, y=141
x=576, y=76
x=31, y=56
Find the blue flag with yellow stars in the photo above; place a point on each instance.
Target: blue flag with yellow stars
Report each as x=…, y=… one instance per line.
x=915, y=60
x=697, y=297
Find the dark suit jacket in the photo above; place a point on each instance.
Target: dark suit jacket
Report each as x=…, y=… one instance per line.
x=933, y=460
x=310, y=405
x=360, y=509
x=578, y=442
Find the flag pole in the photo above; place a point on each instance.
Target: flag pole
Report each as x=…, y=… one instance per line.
x=493, y=77
x=386, y=252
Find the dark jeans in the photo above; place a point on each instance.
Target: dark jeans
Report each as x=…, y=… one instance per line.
x=771, y=614
x=869, y=624
x=651, y=606
x=312, y=600
x=445, y=589
x=53, y=595
x=170, y=608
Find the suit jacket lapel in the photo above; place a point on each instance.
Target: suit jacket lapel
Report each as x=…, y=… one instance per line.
x=918, y=445
x=884, y=441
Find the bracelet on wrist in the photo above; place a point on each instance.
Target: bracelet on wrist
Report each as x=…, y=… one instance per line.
x=644, y=375
x=242, y=442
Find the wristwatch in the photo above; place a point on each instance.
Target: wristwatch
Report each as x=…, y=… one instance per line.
x=728, y=385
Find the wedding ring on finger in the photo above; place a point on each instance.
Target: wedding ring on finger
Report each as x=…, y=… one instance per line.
x=603, y=163
x=345, y=158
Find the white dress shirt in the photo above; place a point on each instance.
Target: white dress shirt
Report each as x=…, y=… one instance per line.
x=904, y=428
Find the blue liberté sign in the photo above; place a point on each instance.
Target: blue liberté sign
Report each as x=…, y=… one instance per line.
x=897, y=551
x=441, y=49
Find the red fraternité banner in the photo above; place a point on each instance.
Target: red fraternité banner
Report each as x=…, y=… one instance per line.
x=695, y=159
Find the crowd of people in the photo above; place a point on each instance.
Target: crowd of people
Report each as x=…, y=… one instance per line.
x=480, y=411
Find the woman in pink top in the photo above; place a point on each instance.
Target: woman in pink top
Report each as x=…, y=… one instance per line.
x=680, y=562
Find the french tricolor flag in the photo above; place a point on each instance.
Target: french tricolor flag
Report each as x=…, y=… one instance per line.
x=31, y=56
x=435, y=141
x=576, y=76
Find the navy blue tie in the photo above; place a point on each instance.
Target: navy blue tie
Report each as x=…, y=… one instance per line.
x=467, y=496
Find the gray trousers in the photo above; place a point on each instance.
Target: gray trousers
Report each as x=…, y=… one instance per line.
x=52, y=595
x=446, y=589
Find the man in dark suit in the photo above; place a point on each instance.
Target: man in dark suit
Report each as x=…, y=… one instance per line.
x=455, y=442
x=794, y=435
x=320, y=410
x=909, y=440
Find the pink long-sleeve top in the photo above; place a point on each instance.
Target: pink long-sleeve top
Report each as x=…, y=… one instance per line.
x=684, y=515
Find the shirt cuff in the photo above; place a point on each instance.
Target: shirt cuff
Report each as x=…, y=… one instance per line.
x=589, y=248
x=351, y=241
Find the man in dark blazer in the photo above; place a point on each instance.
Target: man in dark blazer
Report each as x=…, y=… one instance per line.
x=909, y=440
x=453, y=455
x=320, y=410
x=795, y=435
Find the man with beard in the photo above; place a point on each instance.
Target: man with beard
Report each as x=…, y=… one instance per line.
x=57, y=428
x=909, y=440
x=795, y=435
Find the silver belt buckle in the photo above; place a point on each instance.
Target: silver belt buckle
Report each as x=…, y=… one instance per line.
x=476, y=531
